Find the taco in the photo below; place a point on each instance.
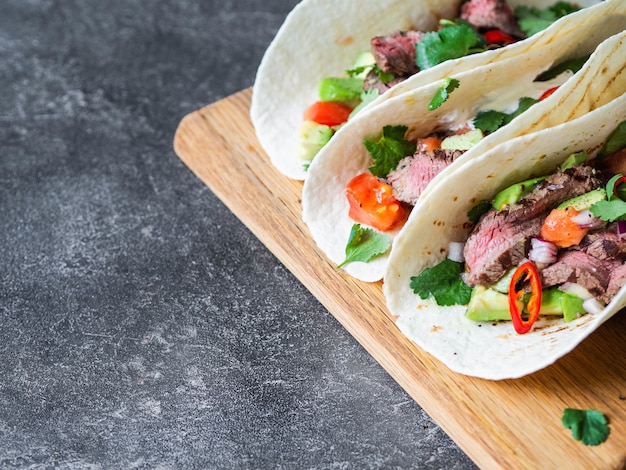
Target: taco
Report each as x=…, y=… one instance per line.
x=559, y=277
x=322, y=39
x=495, y=93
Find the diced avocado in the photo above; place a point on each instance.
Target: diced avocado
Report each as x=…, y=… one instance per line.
x=513, y=193
x=572, y=306
x=503, y=283
x=556, y=302
x=551, y=302
x=344, y=90
x=574, y=159
x=488, y=305
x=365, y=60
x=462, y=141
x=311, y=138
x=585, y=201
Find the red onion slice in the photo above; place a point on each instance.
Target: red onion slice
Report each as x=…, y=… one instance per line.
x=585, y=219
x=542, y=251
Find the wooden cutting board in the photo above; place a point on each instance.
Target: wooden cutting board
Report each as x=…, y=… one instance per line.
x=505, y=424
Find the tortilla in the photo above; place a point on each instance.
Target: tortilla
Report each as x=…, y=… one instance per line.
x=322, y=38
x=491, y=350
x=325, y=208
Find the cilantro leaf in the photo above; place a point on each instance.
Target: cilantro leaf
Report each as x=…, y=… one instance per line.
x=365, y=244
x=448, y=85
x=443, y=282
x=532, y=20
x=388, y=150
x=477, y=211
x=613, y=208
x=452, y=41
x=491, y=120
x=616, y=141
x=588, y=426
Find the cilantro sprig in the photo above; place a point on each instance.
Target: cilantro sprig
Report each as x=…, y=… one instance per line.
x=613, y=208
x=532, y=20
x=443, y=282
x=448, y=85
x=453, y=40
x=365, y=244
x=490, y=120
x=388, y=150
x=588, y=426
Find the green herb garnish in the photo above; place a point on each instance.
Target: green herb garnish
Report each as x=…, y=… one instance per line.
x=613, y=208
x=443, y=282
x=532, y=20
x=616, y=141
x=490, y=120
x=367, y=96
x=448, y=85
x=453, y=40
x=388, y=150
x=477, y=211
x=365, y=244
x=588, y=426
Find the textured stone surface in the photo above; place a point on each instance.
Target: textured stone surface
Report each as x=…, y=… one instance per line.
x=143, y=326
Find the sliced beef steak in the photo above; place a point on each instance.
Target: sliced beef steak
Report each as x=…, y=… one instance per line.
x=499, y=244
x=616, y=282
x=395, y=53
x=414, y=173
x=491, y=14
x=501, y=238
x=373, y=82
x=605, y=244
x=579, y=268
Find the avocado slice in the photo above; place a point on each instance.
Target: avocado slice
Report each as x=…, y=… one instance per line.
x=463, y=141
x=585, y=201
x=311, y=138
x=515, y=192
x=488, y=305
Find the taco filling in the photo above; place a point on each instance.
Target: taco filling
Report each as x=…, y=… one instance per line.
x=481, y=25
x=552, y=245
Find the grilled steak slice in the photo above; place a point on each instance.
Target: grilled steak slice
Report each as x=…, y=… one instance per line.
x=605, y=244
x=395, y=53
x=499, y=243
x=373, y=82
x=580, y=268
x=616, y=282
x=414, y=173
x=501, y=238
x=491, y=14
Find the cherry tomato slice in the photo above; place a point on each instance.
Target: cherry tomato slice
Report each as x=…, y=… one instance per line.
x=329, y=113
x=372, y=203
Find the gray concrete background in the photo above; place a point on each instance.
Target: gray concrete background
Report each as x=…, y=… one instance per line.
x=143, y=326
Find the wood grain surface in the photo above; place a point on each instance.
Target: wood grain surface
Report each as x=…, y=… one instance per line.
x=504, y=424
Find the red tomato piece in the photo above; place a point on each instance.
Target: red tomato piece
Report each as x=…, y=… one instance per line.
x=329, y=113
x=547, y=93
x=495, y=36
x=559, y=228
x=372, y=203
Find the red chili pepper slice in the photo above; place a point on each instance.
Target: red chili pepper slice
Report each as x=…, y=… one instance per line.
x=547, y=93
x=495, y=36
x=525, y=272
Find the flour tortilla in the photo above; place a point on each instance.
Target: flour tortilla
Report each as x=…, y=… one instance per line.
x=492, y=350
x=325, y=207
x=323, y=38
